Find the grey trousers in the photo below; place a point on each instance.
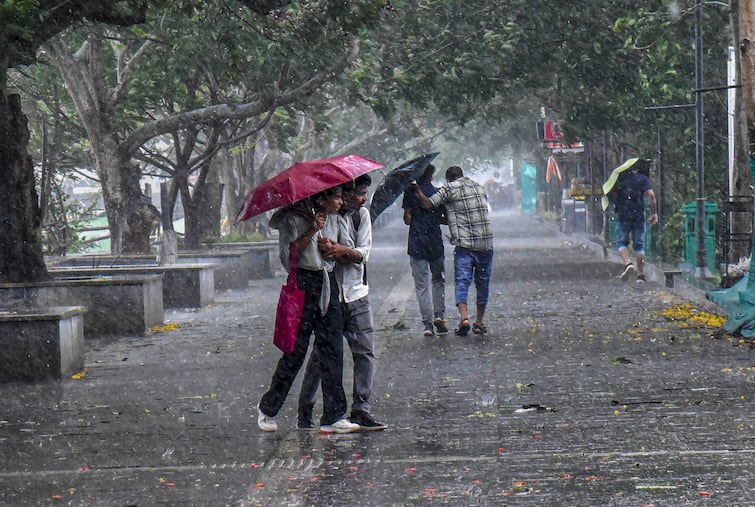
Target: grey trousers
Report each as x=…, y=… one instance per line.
x=360, y=334
x=427, y=274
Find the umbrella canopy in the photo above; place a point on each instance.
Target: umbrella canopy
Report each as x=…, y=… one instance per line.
x=613, y=178
x=552, y=170
x=304, y=179
x=396, y=181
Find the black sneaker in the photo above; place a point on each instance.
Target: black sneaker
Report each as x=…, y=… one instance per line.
x=440, y=325
x=640, y=278
x=629, y=270
x=366, y=421
x=305, y=421
x=304, y=424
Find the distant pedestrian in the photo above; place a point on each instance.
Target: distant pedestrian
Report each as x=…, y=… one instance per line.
x=426, y=254
x=469, y=224
x=301, y=226
x=351, y=252
x=628, y=197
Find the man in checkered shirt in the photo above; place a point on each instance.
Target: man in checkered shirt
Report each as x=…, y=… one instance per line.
x=469, y=223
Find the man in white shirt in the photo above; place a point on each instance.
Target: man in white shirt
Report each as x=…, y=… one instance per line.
x=351, y=253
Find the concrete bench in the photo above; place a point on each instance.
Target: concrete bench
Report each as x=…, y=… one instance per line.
x=669, y=274
x=117, y=305
x=184, y=285
x=41, y=343
x=234, y=266
x=256, y=259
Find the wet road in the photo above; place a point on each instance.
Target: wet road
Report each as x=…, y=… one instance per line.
x=636, y=410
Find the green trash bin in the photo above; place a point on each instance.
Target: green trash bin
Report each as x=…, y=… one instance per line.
x=689, y=212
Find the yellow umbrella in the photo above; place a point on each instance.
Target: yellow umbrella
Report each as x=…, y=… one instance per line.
x=611, y=181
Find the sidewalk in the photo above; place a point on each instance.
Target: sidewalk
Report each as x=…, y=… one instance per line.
x=635, y=409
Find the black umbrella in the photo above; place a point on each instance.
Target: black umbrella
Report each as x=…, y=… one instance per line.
x=396, y=181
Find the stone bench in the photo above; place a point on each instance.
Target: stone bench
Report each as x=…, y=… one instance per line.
x=233, y=268
x=116, y=305
x=258, y=258
x=41, y=343
x=184, y=285
x=234, y=265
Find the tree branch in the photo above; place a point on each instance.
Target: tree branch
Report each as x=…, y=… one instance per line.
x=221, y=112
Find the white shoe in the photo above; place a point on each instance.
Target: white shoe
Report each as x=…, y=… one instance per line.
x=266, y=423
x=340, y=426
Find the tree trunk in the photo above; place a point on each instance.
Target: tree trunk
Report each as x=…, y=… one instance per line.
x=208, y=225
x=130, y=218
x=740, y=186
x=747, y=59
x=21, y=258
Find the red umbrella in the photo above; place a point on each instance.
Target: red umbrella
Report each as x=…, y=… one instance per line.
x=303, y=179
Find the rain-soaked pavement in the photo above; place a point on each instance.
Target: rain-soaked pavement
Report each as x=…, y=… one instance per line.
x=635, y=409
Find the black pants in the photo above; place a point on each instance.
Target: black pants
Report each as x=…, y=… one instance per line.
x=328, y=331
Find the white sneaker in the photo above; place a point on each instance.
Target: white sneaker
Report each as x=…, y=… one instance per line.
x=340, y=426
x=266, y=423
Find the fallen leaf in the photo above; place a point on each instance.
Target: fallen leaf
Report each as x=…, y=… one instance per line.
x=621, y=360
x=162, y=328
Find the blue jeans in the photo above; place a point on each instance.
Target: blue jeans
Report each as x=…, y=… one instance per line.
x=472, y=265
x=634, y=227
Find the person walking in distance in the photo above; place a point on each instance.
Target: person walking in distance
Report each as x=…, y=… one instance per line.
x=628, y=198
x=351, y=253
x=301, y=226
x=469, y=224
x=426, y=254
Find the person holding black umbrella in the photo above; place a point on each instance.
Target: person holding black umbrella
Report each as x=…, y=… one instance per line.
x=426, y=254
x=469, y=223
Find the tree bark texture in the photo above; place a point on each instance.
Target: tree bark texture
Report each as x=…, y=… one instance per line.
x=747, y=56
x=740, y=202
x=21, y=256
